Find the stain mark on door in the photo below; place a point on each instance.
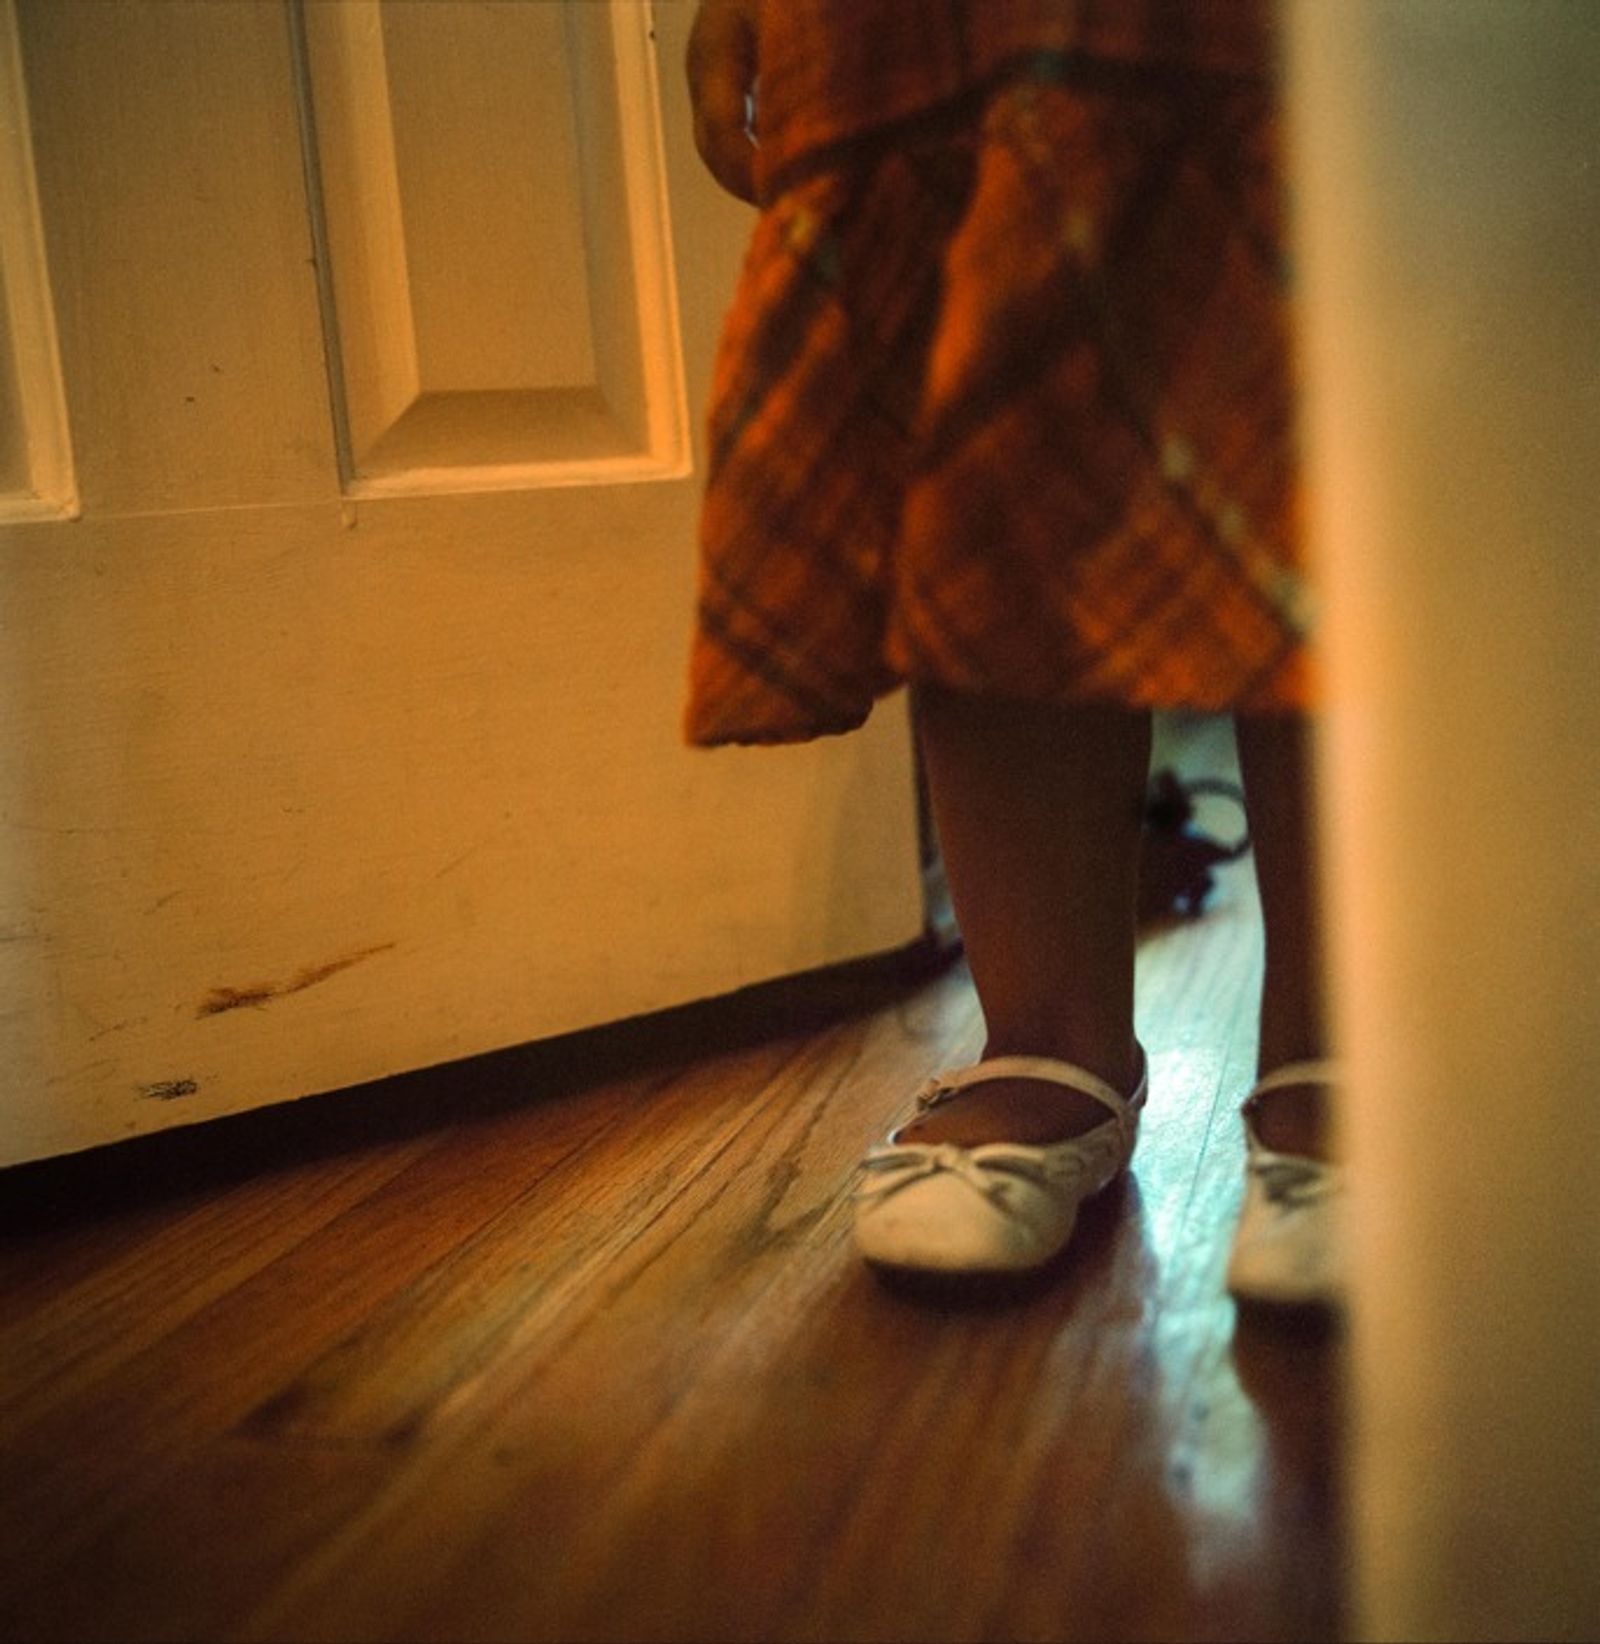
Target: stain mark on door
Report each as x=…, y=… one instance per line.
x=168, y=1090
x=263, y=993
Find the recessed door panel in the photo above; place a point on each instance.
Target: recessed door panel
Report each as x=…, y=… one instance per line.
x=498, y=290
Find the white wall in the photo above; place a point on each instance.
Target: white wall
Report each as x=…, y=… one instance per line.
x=1449, y=185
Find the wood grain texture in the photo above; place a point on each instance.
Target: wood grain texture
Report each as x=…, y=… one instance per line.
x=603, y=1365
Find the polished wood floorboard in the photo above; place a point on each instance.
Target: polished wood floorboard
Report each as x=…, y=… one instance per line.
x=601, y=1365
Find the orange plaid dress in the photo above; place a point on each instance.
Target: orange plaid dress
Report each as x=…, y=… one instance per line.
x=1004, y=401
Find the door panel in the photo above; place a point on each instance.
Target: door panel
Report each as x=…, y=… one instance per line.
x=36, y=479
x=345, y=719
x=500, y=298
x=174, y=210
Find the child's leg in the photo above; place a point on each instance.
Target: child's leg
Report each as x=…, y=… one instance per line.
x=1038, y=811
x=1275, y=758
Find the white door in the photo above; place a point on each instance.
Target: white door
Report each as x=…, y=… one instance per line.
x=352, y=363
x=1451, y=261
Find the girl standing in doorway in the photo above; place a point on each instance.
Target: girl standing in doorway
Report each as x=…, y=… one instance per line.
x=1004, y=411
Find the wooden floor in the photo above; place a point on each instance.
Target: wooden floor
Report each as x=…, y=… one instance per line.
x=598, y=1363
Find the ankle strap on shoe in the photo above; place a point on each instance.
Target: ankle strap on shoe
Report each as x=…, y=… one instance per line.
x=1049, y=1071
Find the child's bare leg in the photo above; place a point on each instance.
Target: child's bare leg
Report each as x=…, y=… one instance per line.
x=1275, y=758
x=1038, y=811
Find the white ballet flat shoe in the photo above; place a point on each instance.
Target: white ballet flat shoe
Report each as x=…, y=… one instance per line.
x=1001, y=1207
x=1286, y=1249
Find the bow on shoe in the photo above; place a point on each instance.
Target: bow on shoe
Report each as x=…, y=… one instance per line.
x=898, y=1165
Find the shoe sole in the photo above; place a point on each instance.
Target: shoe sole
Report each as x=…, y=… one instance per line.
x=963, y=1290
